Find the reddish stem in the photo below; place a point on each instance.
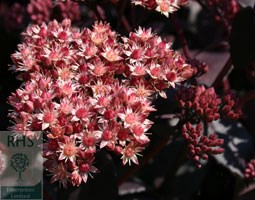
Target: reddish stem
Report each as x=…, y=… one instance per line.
x=120, y=11
x=180, y=34
x=125, y=23
x=132, y=15
x=94, y=7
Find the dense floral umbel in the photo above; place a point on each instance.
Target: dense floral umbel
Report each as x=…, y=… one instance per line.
x=201, y=146
x=249, y=172
x=200, y=103
x=163, y=6
x=89, y=89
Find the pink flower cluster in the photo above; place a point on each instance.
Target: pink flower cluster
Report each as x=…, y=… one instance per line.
x=69, y=9
x=39, y=11
x=42, y=11
x=201, y=146
x=14, y=17
x=200, y=103
x=249, y=172
x=90, y=89
x=163, y=6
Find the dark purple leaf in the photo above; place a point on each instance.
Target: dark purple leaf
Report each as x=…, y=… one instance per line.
x=238, y=145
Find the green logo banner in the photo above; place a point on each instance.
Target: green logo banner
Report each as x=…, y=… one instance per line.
x=21, y=168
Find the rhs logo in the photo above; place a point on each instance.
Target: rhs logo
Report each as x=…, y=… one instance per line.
x=19, y=162
x=20, y=166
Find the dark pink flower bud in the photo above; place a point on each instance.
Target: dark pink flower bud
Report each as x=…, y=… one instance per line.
x=198, y=150
x=84, y=167
x=171, y=76
x=28, y=106
x=107, y=135
x=218, y=151
x=77, y=127
x=249, y=172
x=109, y=114
x=186, y=136
x=212, y=136
x=68, y=129
x=204, y=156
x=118, y=150
x=123, y=134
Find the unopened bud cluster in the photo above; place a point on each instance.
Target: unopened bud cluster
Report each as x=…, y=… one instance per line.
x=202, y=105
x=201, y=146
x=199, y=103
x=230, y=108
x=90, y=89
x=249, y=172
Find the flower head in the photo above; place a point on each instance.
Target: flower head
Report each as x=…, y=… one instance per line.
x=163, y=6
x=130, y=153
x=68, y=150
x=90, y=89
x=59, y=172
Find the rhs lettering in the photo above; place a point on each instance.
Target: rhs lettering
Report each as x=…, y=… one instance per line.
x=19, y=142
